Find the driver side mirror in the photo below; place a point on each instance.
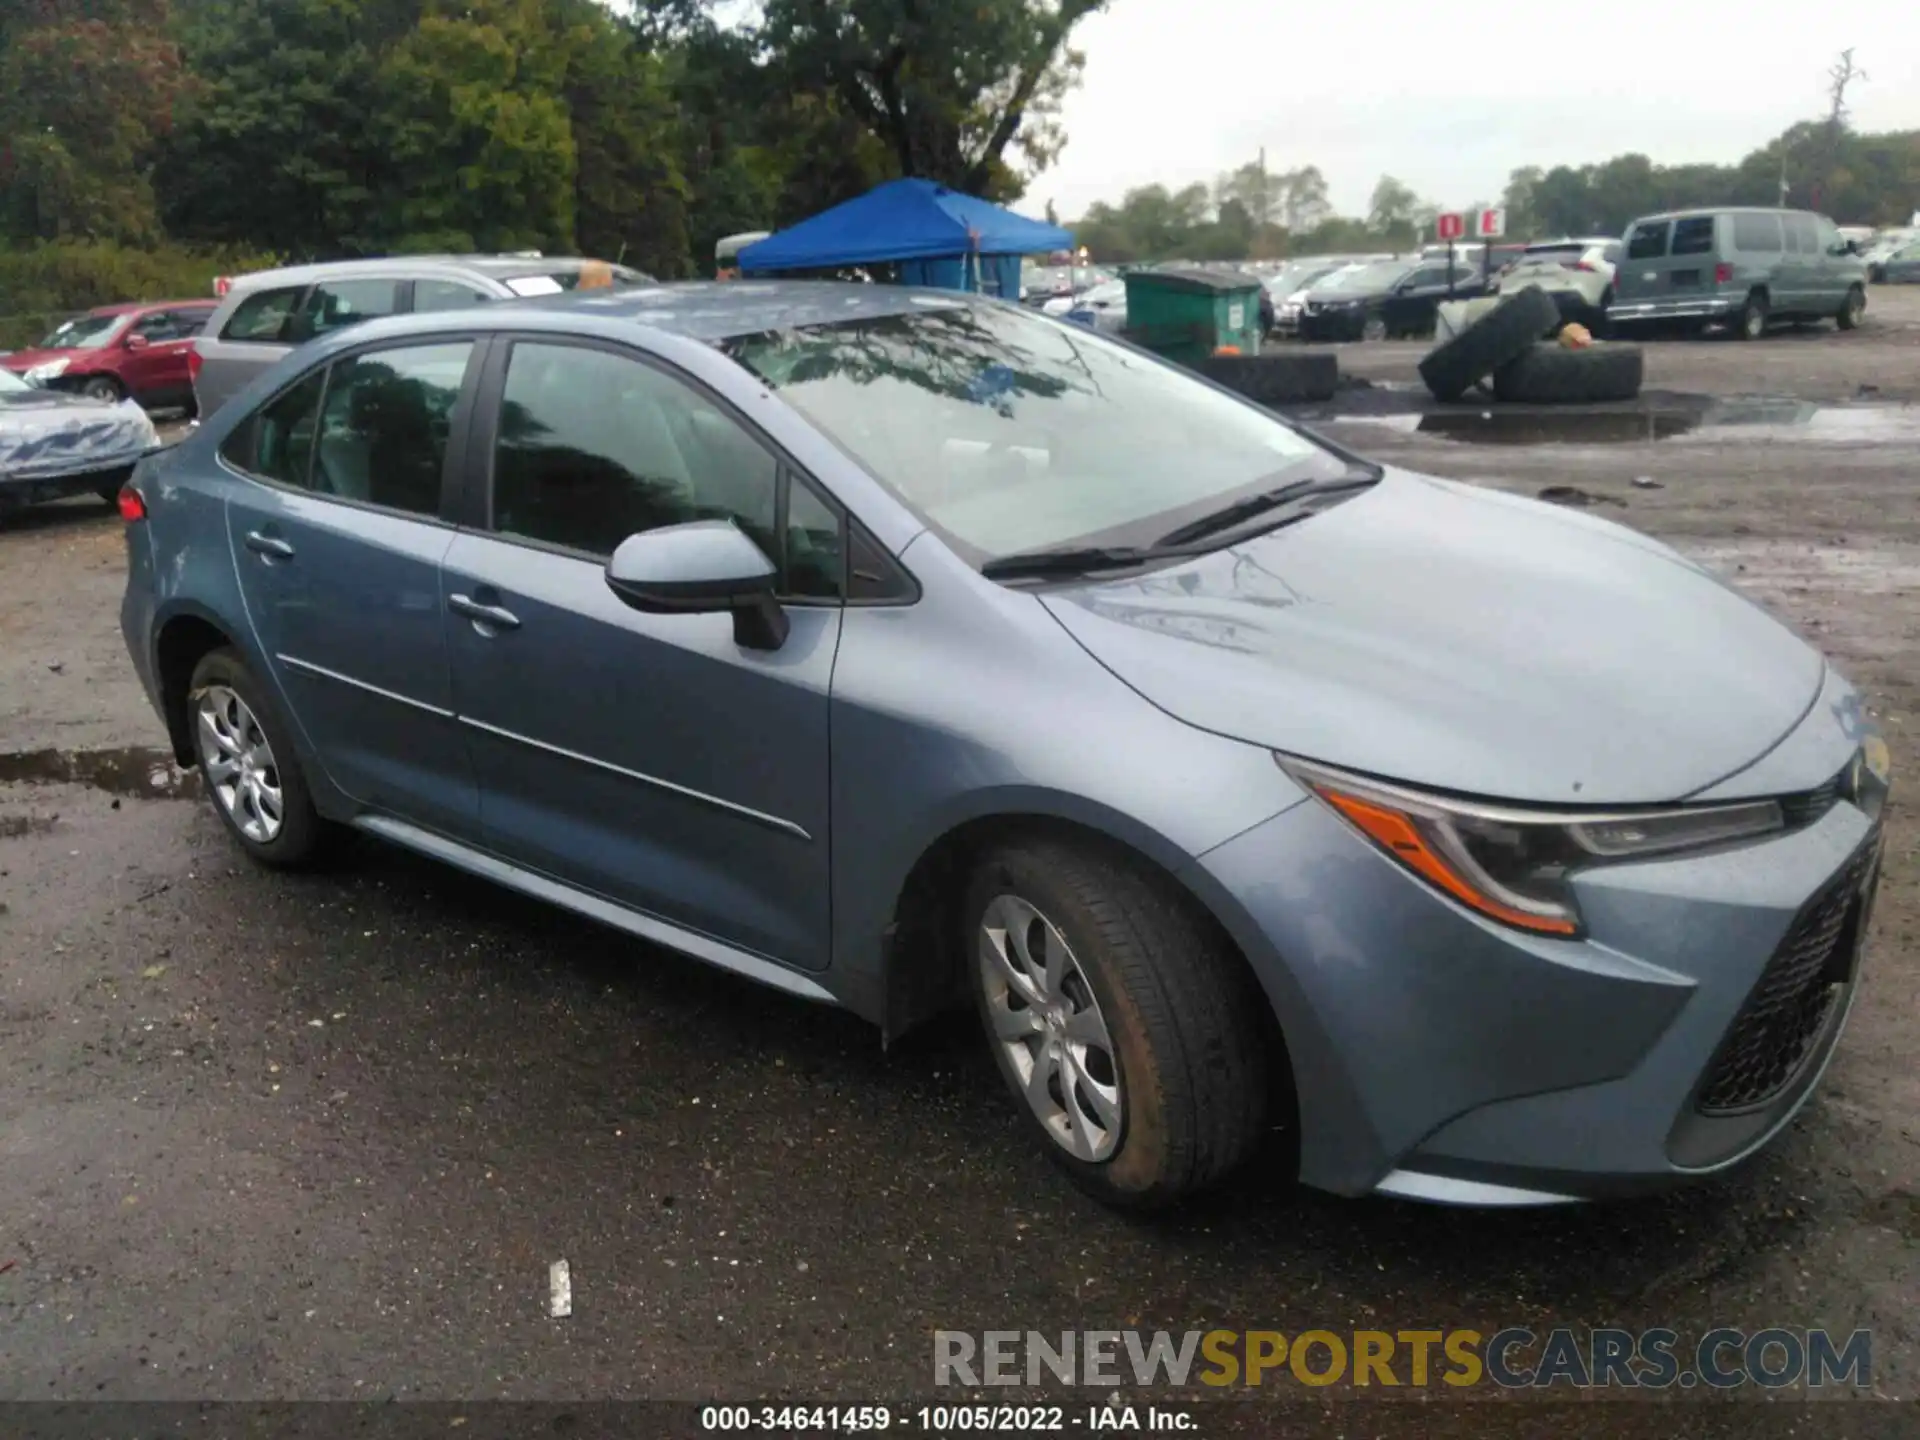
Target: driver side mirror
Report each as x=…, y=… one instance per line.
x=702, y=568
x=136, y=342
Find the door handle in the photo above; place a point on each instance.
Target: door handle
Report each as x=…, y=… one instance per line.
x=272, y=547
x=496, y=616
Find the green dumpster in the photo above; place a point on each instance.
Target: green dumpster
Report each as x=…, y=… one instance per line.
x=1188, y=315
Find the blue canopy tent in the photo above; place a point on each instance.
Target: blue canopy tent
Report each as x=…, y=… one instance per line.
x=937, y=236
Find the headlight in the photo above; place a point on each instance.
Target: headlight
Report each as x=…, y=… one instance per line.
x=1511, y=863
x=46, y=370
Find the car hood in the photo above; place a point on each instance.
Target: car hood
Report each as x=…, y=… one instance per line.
x=1465, y=640
x=51, y=432
x=26, y=359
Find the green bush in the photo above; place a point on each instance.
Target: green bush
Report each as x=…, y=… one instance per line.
x=41, y=284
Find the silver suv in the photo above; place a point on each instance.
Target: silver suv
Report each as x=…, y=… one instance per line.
x=269, y=312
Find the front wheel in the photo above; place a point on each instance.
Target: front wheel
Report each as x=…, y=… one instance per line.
x=1374, y=327
x=1125, y=1029
x=248, y=765
x=1853, y=309
x=103, y=389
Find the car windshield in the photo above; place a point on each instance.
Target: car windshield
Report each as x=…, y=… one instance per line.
x=83, y=332
x=1009, y=433
x=1362, y=279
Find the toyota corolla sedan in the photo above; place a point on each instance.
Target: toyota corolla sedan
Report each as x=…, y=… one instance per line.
x=907, y=650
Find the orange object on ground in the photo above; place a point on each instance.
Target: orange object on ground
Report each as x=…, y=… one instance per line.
x=1575, y=337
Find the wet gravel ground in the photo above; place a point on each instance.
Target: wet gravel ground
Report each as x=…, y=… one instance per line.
x=313, y=1137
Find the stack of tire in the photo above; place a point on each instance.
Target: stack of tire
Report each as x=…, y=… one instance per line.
x=1508, y=348
x=1284, y=377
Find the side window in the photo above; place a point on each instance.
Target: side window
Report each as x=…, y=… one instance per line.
x=1757, y=234
x=594, y=447
x=1693, y=236
x=335, y=304
x=263, y=316
x=157, y=327
x=816, y=554
x=1799, y=236
x=189, y=323
x=447, y=295
x=276, y=441
x=384, y=427
x=1648, y=241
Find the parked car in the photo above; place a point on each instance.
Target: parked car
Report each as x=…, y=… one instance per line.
x=1902, y=267
x=1384, y=300
x=1104, y=307
x=1576, y=274
x=266, y=314
x=1742, y=268
x=55, y=443
x=119, y=352
x=1288, y=287
x=1883, y=248
x=922, y=651
x=919, y=651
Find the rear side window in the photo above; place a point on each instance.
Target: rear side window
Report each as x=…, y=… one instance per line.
x=1648, y=240
x=264, y=316
x=276, y=441
x=1693, y=236
x=446, y=295
x=1757, y=234
x=1806, y=234
x=384, y=426
x=335, y=304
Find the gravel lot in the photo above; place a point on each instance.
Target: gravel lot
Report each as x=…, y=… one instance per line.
x=320, y=1137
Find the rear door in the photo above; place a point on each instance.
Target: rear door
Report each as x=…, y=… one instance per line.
x=338, y=547
x=648, y=758
x=156, y=373
x=254, y=335
x=1642, y=274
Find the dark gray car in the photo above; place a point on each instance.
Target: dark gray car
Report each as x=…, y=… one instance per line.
x=1743, y=268
x=904, y=649
x=269, y=312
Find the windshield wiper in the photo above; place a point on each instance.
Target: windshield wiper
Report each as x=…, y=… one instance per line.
x=1250, y=506
x=1070, y=560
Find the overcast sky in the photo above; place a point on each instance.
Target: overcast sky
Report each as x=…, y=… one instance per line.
x=1180, y=90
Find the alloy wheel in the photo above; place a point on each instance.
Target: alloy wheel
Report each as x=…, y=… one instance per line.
x=1374, y=329
x=1047, y=1022
x=239, y=764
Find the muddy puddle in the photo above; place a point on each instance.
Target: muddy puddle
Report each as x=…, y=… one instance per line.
x=1756, y=418
x=142, y=771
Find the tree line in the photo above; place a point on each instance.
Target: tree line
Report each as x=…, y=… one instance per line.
x=310, y=129
x=328, y=128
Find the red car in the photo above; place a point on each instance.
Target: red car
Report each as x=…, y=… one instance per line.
x=120, y=352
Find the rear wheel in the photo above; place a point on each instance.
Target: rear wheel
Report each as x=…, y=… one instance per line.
x=248, y=766
x=1751, y=324
x=1125, y=1029
x=1852, y=309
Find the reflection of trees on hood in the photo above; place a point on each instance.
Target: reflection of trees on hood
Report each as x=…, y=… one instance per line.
x=949, y=353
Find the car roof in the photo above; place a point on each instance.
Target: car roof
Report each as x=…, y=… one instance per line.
x=134, y=307
x=1699, y=210
x=497, y=267
x=720, y=310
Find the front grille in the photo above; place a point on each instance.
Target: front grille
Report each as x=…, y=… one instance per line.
x=1809, y=805
x=1770, y=1038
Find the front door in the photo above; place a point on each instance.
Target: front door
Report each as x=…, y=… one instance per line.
x=649, y=758
x=338, y=550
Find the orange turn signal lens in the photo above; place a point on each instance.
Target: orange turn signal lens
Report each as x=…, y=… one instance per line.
x=1395, y=833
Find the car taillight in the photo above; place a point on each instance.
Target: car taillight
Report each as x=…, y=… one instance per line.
x=133, y=505
x=1583, y=265
x=193, y=363
x=1723, y=274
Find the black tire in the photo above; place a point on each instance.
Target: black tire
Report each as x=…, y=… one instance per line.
x=1751, y=322
x=1852, y=309
x=302, y=835
x=103, y=388
x=1180, y=1007
x=1520, y=319
x=1551, y=374
x=1285, y=378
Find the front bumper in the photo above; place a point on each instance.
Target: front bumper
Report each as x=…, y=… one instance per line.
x=1439, y=1056
x=1343, y=324
x=1676, y=307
